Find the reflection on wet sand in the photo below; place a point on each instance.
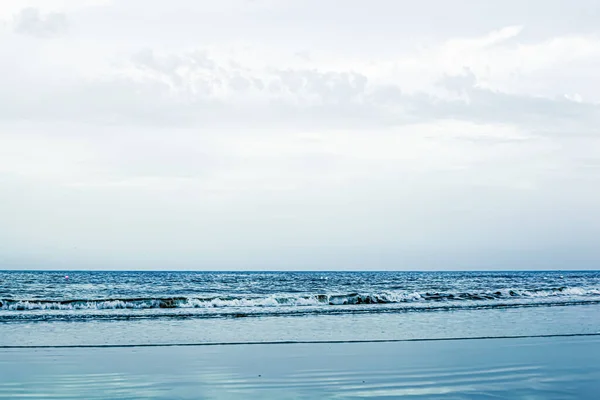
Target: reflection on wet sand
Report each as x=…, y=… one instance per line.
x=548, y=368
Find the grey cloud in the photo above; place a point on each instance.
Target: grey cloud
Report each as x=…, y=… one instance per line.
x=485, y=105
x=335, y=97
x=174, y=68
x=303, y=55
x=240, y=83
x=460, y=83
x=329, y=87
x=190, y=69
x=147, y=59
x=192, y=89
x=477, y=104
x=31, y=22
x=386, y=94
x=258, y=84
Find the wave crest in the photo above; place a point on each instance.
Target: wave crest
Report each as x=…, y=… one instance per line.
x=303, y=300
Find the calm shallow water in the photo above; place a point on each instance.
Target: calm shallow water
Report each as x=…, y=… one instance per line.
x=557, y=368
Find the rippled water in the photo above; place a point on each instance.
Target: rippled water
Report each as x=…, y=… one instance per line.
x=46, y=296
x=558, y=368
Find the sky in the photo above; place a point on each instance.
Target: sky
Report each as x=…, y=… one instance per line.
x=299, y=134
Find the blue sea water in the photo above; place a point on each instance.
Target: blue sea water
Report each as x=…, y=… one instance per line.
x=189, y=335
x=47, y=308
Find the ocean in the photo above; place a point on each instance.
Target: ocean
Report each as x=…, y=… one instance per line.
x=168, y=307
x=299, y=335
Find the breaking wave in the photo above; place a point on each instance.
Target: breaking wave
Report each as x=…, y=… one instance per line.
x=520, y=297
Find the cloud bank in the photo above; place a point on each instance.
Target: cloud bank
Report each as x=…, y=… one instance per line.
x=263, y=135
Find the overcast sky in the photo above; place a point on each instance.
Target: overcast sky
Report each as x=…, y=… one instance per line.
x=270, y=134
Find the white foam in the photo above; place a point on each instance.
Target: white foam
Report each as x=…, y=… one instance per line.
x=308, y=300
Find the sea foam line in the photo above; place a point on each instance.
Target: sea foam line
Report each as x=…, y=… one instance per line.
x=287, y=300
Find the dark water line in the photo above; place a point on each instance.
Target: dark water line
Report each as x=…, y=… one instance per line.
x=290, y=342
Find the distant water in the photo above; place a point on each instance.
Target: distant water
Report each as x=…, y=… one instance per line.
x=47, y=296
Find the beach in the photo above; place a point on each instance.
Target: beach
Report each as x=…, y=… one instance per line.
x=163, y=335
x=523, y=368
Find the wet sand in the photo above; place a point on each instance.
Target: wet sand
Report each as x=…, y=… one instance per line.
x=526, y=368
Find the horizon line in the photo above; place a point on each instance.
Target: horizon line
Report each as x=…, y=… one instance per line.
x=299, y=270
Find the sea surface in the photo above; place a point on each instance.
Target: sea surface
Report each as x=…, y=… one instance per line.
x=80, y=308
x=299, y=335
